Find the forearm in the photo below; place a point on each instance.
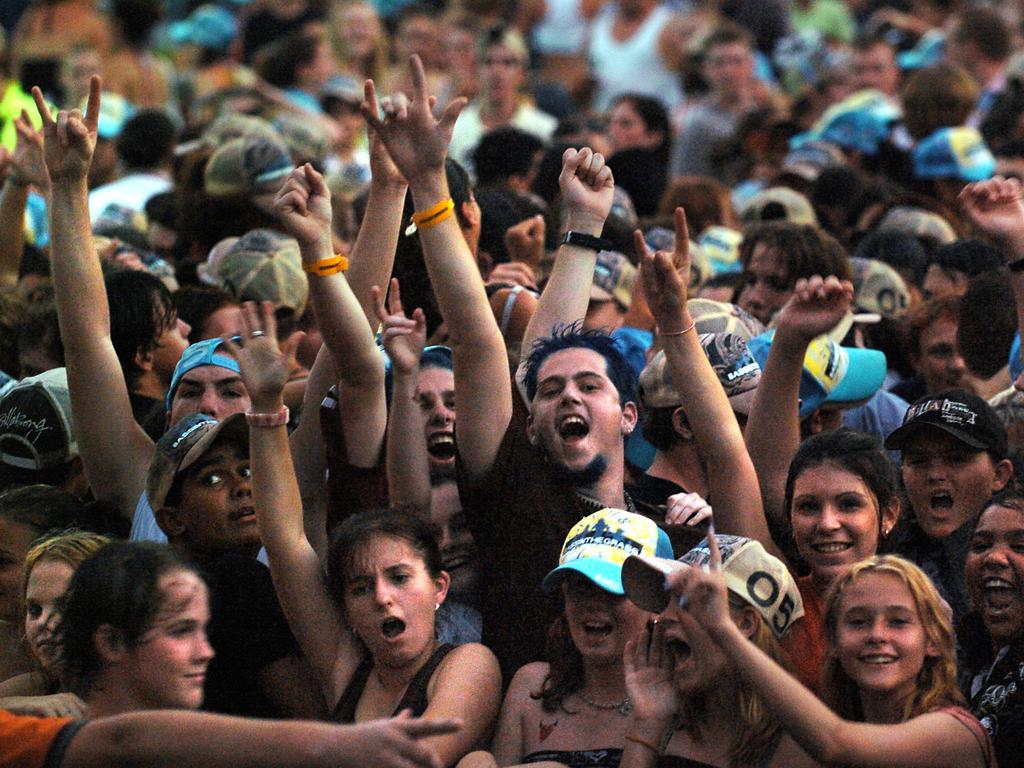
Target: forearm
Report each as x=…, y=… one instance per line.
x=13, y=199
x=732, y=481
x=566, y=295
x=77, y=278
x=308, y=454
x=642, y=746
x=815, y=727
x=373, y=254
x=155, y=739
x=408, y=467
x=454, y=275
x=275, y=489
x=773, y=428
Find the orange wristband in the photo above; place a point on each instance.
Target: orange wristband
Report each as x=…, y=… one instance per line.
x=329, y=266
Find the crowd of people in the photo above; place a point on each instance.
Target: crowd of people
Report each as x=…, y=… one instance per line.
x=585, y=383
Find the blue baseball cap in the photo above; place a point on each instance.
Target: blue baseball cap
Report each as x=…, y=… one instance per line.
x=953, y=153
x=930, y=49
x=1016, y=366
x=599, y=544
x=861, y=122
x=832, y=373
x=208, y=26
x=195, y=355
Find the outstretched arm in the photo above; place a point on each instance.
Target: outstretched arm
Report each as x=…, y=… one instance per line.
x=996, y=207
x=586, y=186
x=408, y=465
x=417, y=143
x=115, y=450
x=294, y=566
x=304, y=207
x=26, y=169
x=927, y=740
x=732, y=483
x=773, y=429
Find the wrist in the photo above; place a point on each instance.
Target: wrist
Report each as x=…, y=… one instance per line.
x=585, y=224
x=267, y=402
x=650, y=726
x=680, y=324
x=429, y=188
x=320, y=247
x=791, y=341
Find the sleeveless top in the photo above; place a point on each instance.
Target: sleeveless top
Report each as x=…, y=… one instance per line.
x=578, y=758
x=415, y=697
x=634, y=64
x=977, y=730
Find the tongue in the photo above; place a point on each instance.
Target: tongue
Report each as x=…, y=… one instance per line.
x=998, y=599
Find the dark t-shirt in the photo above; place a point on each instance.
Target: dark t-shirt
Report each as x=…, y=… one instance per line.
x=248, y=632
x=519, y=516
x=942, y=559
x=265, y=27
x=998, y=702
x=150, y=413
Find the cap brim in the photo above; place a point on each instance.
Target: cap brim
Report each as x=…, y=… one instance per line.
x=603, y=573
x=643, y=580
x=898, y=438
x=234, y=428
x=865, y=375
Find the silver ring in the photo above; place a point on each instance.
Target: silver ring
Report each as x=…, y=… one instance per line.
x=256, y=334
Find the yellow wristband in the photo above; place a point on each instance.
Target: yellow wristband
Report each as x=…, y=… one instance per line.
x=433, y=222
x=422, y=217
x=329, y=266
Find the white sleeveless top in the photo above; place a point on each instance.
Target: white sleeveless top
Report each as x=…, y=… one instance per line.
x=633, y=65
x=562, y=30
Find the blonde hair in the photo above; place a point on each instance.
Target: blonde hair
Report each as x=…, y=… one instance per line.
x=936, y=681
x=757, y=730
x=69, y=546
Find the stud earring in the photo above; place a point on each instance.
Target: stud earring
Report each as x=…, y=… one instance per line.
x=437, y=606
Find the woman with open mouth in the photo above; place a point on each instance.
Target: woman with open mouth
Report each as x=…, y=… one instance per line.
x=367, y=626
x=992, y=635
x=49, y=565
x=890, y=675
x=574, y=710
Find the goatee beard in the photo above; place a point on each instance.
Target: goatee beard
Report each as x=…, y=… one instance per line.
x=579, y=478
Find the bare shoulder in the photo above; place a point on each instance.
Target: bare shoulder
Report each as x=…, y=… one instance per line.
x=530, y=677
x=465, y=663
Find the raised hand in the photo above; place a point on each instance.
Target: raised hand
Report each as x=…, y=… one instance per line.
x=27, y=163
x=513, y=273
x=403, y=337
x=303, y=205
x=661, y=277
x=816, y=306
x=69, y=140
x=587, y=188
x=687, y=509
x=996, y=207
x=702, y=591
x=382, y=168
x=264, y=365
x=648, y=661
x=415, y=139
x=525, y=241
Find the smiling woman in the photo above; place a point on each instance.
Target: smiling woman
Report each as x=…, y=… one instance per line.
x=133, y=631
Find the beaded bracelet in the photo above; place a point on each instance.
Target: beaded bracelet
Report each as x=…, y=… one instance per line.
x=332, y=265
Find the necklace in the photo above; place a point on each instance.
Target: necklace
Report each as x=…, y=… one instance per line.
x=623, y=707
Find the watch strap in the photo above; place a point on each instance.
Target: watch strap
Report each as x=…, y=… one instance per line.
x=581, y=240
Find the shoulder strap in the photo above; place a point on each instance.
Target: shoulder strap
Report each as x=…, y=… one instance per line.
x=415, y=697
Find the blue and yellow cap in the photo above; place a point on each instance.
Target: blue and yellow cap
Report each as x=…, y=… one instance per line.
x=599, y=544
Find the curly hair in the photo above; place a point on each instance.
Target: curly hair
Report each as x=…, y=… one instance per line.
x=936, y=682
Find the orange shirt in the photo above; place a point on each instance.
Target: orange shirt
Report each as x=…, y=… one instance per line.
x=27, y=742
x=805, y=643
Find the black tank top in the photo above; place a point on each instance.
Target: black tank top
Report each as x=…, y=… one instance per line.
x=415, y=697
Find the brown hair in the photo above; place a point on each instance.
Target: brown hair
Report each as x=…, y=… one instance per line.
x=940, y=96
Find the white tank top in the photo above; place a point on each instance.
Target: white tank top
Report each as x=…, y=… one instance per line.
x=562, y=30
x=632, y=65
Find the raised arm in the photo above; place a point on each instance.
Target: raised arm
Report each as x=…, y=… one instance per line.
x=26, y=169
x=418, y=143
x=996, y=207
x=732, y=483
x=408, y=465
x=304, y=207
x=773, y=428
x=373, y=254
x=115, y=450
x=294, y=566
x=934, y=739
x=586, y=186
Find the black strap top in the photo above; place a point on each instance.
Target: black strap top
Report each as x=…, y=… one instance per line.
x=415, y=697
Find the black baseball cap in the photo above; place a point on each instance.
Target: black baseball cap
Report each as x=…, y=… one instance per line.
x=958, y=413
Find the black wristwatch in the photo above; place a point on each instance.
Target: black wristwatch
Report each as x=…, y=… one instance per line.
x=581, y=240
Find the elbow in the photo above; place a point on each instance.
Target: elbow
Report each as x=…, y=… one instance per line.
x=834, y=746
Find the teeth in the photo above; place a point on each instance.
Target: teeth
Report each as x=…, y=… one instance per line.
x=995, y=582
x=836, y=546
x=442, y=438
x=879, y=659
x=572, y=420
